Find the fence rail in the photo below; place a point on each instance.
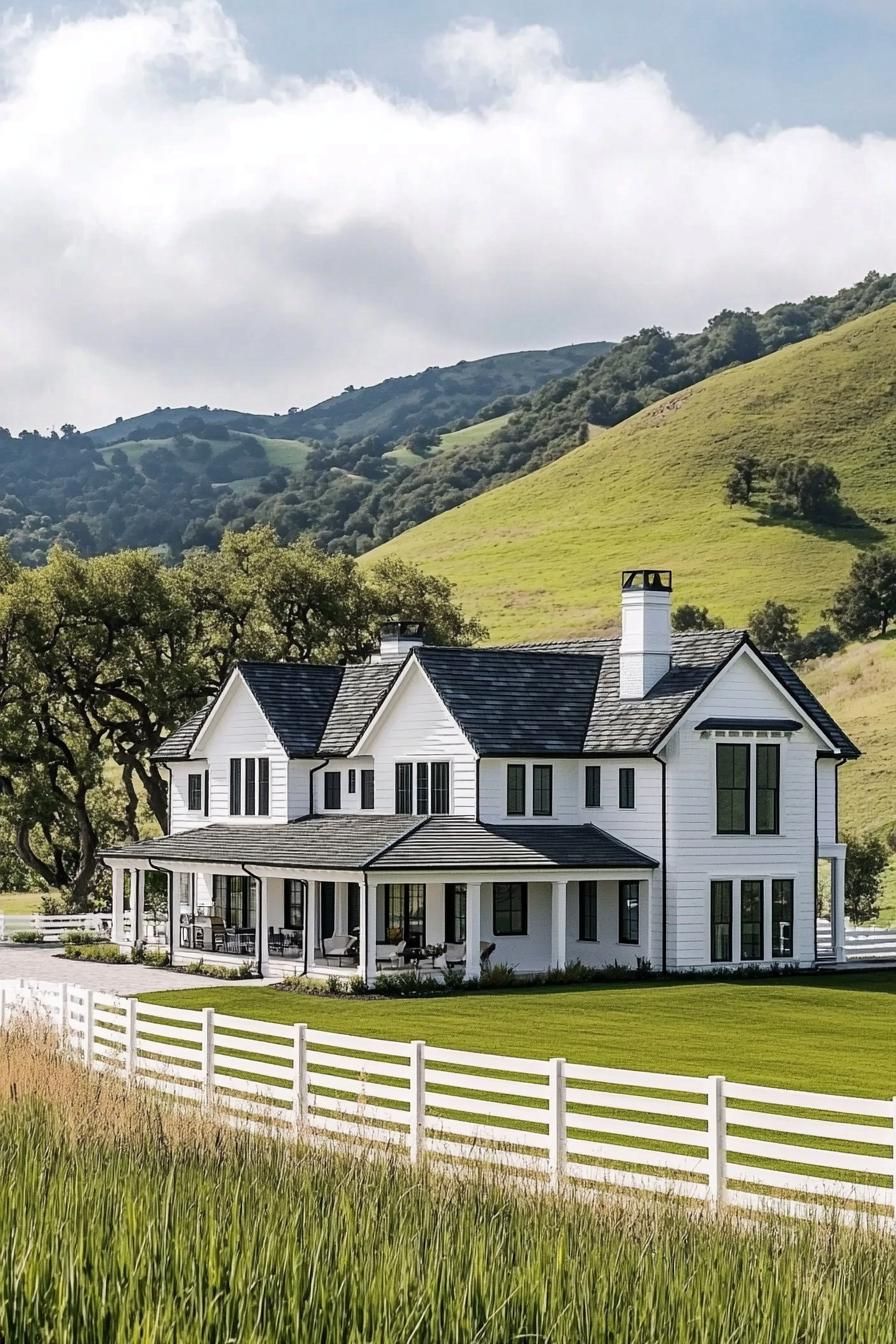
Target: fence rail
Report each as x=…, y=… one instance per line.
x=861, y=943
x=50, y=926
x=799, y=1153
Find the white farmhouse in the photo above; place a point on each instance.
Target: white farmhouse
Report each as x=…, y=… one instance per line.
x=663, y=798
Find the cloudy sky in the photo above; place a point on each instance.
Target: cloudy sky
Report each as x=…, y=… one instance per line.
x=256, y=202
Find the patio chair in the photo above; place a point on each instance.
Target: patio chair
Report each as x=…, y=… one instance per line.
x=218, y=933
x=275, y=942
x=390, y=954
x=340, y=948
x=455, y=954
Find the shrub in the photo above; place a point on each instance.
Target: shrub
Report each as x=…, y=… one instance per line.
x=108, y=952
x=155, y=956
x=82, y=938
x=407, y=985
x=27, y=936
x=499, y=976
x=244, y=971
x=357, y=985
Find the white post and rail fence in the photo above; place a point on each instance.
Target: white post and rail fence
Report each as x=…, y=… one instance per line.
x=570, y=1125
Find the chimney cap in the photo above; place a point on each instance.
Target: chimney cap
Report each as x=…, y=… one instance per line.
x=647, y=580
x=396, y=629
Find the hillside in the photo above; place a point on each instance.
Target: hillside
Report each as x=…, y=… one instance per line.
x=540, y=556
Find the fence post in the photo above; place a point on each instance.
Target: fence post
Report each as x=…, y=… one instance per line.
x=557, y=1122
x=2, y=1007
x=417, y=1136
x=63, y=1012
x=894, y=1158
x=88, y=1028
x=717, y=1131
x=300, y=1076
x=130, y=1039
x=208, y=1056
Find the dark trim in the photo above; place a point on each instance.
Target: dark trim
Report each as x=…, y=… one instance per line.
x=836, y=803
x=260, y=930
x=478, y=808
x=663, y=841
x=815, y=870
x=311, y=773
x=772, y=725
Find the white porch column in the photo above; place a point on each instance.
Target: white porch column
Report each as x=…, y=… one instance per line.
x=138, y=877
x=367, y=932
x=838, y=904
x=118, y=905
x=340, y=908
x=474, y=929
x=558, y=925
x=310, y=934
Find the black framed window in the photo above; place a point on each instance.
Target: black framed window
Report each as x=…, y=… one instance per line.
x=587, y=912
x=629, y=912
x=367, y=790
x=626, y=786
x=510, y=907
x=439, y=788
x=721, y=896
x=768, y=792
x=751, y=939
x=352, y=781
x=194, y=793
x=516, y=790
x=404, y=789
x=592, y=786
x=455, y=912
x=405, y=913
x=264, y=786
x=294, y=896
x=332, y=790
x=422, y=788
x=236, y=786
x=233, y=899
x=782, y=917
x=205, y=794
x=542, y=790
x=249, y=771
x=732, y=788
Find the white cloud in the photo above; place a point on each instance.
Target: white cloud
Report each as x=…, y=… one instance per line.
x=177, y=227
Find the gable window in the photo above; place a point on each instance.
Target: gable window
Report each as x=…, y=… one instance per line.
x=404, y=784
x=542, y=790
x=332, y=790
x=422, y=788
x=249, y=766
x=194, y=793
x=751, y=902
x=732, y=788
x=720, y=901
x=367, y=790
x=264, y=786
x=236, y=786
x=587, y=912
x=592, y=786
x=626, y=786
x=768, y=792
x=455, y=912
x=516, y=790
x=782, y=917
x=629, y=912
x=439, y=788
x=510, y=901
x=352, y=780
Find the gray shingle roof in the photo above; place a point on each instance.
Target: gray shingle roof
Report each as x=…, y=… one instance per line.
x=296, y=699
x=389, y=843
x=361, y=692
x=176, y=746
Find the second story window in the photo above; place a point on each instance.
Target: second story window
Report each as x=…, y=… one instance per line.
x=250, y=786
x=236, y=786
x=422, y=788
x=732, y=788
x=592, y=786
x=264, y=786
x=404, y=788
x=194, y=793
x=768, y=776
x=367, y=790
x=332, y=790
x=352, y=780
x=542, y=790
x=626, y=786
x=439, y=788
x=249, y=767
x=516, y=790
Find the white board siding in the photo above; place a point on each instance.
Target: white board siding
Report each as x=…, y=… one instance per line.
x=240, y=729
x=827, y=802
x=350, y=802
x=607, y=949
x=182, y=819
x=697, y=855
x=416, y=726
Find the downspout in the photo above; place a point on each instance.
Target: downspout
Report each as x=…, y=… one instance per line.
x=323, y=765
x=815, y=874
x=663, y=857
x=478, y=763
x=256, y=878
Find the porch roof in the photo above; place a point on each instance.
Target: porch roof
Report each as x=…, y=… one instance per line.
x=390, y=843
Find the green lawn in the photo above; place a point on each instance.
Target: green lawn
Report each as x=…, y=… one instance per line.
x=19, y=902
x=830, y=1033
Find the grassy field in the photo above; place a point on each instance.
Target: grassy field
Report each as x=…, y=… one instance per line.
x=800, y=1031
x=125, y=1219
x=458, y=438
x=19, y=902
x=289, y=453
x=523, y=561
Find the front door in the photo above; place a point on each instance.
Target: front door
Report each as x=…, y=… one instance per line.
x=405, y=913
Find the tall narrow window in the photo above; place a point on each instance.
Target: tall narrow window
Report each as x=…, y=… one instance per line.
x=422, y=788
x=542, y=790
x=782, y=917
x=732, y=788
x=236, y=786
x=768, y=776
x=294, y=890
x=249, y=766
x=205, y=794
x=264, y=786
x=587, y=912
x=626, y=786
x=367, y=790
x=404, y=787
x=720, y=900
x=629, y=912
x=455, y=912
x=194, y=793
x=352, y=781
x=592, y=786
x=516, y=790
x=439, y=789
x=510, y=901
x=332, y=790
x=751, y=941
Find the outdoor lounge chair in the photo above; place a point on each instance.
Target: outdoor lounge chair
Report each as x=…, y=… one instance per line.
x=340, y=948
x=390, y=954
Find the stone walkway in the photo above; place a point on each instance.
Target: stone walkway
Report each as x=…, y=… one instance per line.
x=45, y=963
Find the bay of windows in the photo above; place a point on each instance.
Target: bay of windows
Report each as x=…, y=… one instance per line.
x=424, y=788
x=751, y=911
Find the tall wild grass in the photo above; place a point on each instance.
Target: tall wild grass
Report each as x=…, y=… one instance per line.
x=124, y=1220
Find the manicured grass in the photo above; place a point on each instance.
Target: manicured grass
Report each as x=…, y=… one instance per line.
x=19, y=902
x=828, y=1033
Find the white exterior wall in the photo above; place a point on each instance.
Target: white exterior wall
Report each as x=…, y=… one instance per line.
x=182, y=819
x=351, y=802
x=240, y=729
x=827, y=802
x=416, y=726
x=697, y=855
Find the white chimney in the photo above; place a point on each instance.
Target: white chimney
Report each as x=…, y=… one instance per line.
x=397, y=638
x=645, y=650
